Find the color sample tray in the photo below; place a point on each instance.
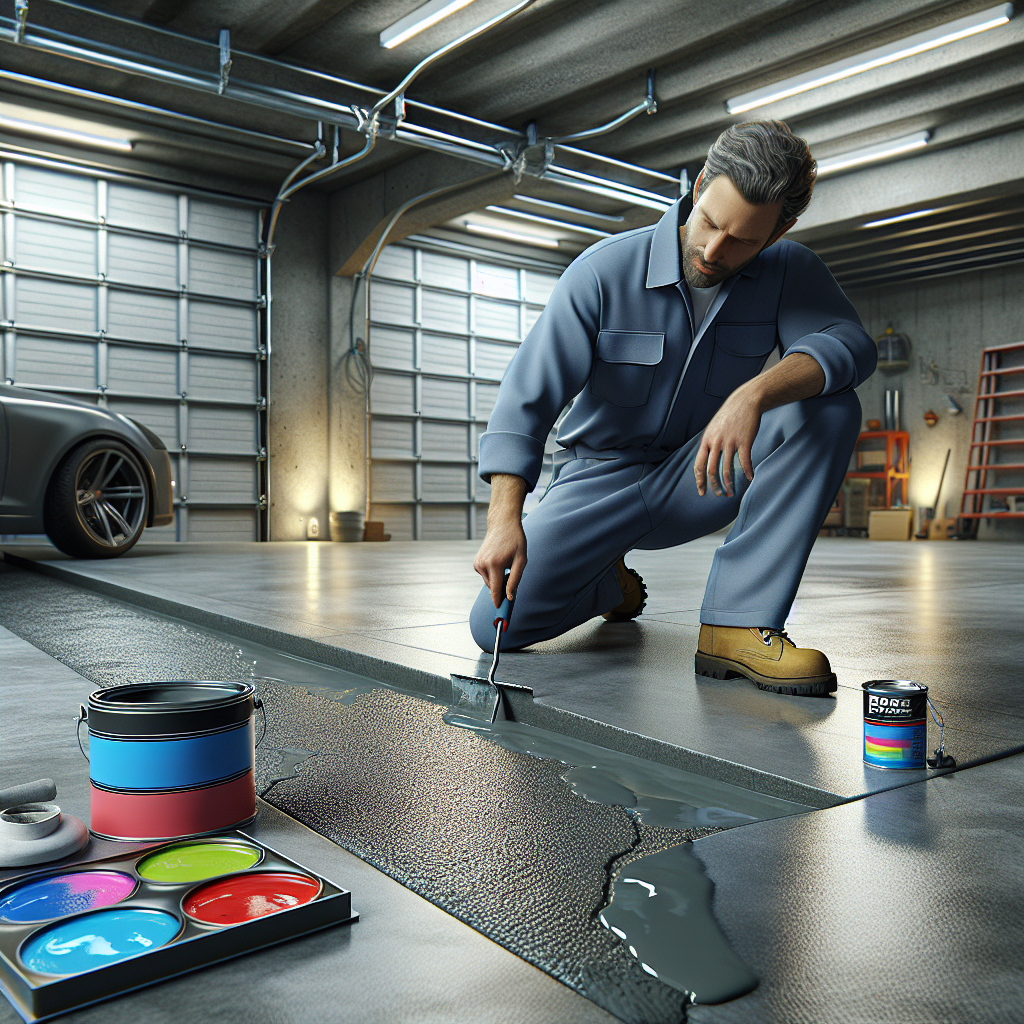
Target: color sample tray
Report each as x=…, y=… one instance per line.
x=79, y=934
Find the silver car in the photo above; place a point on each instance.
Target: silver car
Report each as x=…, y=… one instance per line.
x=92, y=480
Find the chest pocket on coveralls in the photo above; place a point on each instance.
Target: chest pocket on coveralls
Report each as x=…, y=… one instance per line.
x=740, y=352
x=625, y=366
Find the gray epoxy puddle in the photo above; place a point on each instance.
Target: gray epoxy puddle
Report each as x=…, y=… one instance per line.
x=661, y=910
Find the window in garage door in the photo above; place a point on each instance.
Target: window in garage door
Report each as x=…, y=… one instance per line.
x=146, y=301
x=443, y=326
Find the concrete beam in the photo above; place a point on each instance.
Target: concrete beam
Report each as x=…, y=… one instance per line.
x=989, y=166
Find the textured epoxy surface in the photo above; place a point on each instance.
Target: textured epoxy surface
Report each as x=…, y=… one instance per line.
x=944, y=614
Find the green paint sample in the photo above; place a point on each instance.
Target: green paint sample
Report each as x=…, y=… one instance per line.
x=193, y=862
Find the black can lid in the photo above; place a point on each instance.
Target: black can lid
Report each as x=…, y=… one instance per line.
x=171, y=695
x=903, y=686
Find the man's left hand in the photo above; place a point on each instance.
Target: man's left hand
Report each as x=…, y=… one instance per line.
x=732, y=430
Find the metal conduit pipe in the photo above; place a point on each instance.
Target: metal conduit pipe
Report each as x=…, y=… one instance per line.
x=649, y=104
x=634, y=168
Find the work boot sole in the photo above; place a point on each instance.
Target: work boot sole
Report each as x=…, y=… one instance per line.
x=725, y=668
x=614, y=616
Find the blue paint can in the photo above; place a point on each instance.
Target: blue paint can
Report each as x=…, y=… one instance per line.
x=895, y=723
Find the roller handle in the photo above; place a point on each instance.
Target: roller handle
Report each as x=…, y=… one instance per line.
x=504, y=611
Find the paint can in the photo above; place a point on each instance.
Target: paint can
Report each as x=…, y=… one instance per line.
x=171, y=759
x=895, y=723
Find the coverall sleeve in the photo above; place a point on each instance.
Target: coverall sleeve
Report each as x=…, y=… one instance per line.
x=551, y=367
x=815, y=317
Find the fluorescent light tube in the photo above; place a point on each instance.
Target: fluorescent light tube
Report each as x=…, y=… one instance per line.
x=551, y=222
x=869, y=154
x=628, y=198
x=511, y=236
x=65, y=134
x=874, y=58
x=420, y=19
x=574, y=210
x=897, y=218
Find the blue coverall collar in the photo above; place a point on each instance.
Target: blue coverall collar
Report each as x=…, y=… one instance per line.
x=663, y=265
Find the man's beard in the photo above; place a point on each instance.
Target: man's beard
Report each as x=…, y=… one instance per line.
x=716, y=272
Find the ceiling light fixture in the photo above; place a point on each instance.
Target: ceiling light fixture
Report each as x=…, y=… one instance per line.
x=419, y=20
x=898, y=218
x=629, y=198
x=48, y=131
x=609, y=218
x=874, y=58
x=510, y=236
x=551, y=222
x=869, y=154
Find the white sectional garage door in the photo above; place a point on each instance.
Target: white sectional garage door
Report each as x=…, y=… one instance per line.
x=148, y=302
x=443, y=327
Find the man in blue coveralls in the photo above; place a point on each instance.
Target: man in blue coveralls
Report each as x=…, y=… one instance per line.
x=659, y=336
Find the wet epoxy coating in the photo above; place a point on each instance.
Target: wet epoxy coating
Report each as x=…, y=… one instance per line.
x=97, y=939
x=195, y=862
x=246, y=897
x=661, y=910
x=63, y=895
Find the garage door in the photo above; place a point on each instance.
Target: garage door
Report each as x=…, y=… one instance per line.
x=146, y=301
x=444, y=325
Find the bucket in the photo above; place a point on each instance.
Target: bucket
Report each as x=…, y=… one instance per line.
x=169, y=760
x=347, y=527
x=895, y=723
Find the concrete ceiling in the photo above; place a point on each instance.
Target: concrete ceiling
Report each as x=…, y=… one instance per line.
x=568, y=65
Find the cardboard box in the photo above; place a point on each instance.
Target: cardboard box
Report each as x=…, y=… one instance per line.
x=890, y=524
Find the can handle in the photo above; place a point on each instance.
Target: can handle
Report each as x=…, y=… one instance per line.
x=258, y=703
x=82, y=716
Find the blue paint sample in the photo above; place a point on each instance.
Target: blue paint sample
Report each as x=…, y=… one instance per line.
x=133, y=763
x=95, y=940
x=62, y=895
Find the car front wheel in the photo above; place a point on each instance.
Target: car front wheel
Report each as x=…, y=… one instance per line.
x=97, y=504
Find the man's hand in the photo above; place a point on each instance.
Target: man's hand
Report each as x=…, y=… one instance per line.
x=505, y=543
x=733, y=428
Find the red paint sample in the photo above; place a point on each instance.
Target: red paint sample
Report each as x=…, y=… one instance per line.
x=243, y=898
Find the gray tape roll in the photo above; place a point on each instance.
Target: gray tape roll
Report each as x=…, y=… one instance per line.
x=42, y=791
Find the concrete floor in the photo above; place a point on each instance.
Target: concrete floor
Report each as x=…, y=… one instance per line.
x=945, y=614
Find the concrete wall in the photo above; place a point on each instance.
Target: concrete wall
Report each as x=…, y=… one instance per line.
x=299, y=369
x=949, y=320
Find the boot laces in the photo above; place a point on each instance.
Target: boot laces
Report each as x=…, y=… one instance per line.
x=768, y=634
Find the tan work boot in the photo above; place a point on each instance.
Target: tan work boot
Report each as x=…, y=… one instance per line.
x=634, y=593
x=766, y=657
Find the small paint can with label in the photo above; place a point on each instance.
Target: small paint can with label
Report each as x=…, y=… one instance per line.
x=895, y=723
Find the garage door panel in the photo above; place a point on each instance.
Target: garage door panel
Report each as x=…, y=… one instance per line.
x=445, y=355
x=221, y=524
x=142, y=209
x=161, y=417
x=230, y=275
x=391, y=393
x=146, y=317
x=222, y=480
x=496, y=281
x=392, y=303
x=392, y=481
x=444, y=440
x=222, y=377
x=391, y=438
x=445, y=398
x=532, y=316
x=492, y=357
x=144, y=262
x=444, y=522
x=497, y=319
x=486, y=396
x=395, y=261
x=58, y=362
x=445, y=483
x=397, y=520
x=392, y=348
x=228, y=431
x=55, y=304
x=440, y=271
x=54, y=248
x=227, y=225
x=539, y=287
x=229, y=327
x=63, y=194
x=441, y=312
x=146, y=371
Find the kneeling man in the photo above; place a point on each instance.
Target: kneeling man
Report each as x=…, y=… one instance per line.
x=658, y=336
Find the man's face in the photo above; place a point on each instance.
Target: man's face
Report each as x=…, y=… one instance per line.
x=724, y=233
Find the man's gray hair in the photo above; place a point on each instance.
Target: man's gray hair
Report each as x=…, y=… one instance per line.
x=767, y=163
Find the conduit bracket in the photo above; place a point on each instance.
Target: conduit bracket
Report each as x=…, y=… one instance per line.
x=20, y=19
x=225, y=60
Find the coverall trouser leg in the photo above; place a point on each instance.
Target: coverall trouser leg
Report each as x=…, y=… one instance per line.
x=599, y=509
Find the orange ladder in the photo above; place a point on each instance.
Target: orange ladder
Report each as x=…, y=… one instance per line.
x=984, y=458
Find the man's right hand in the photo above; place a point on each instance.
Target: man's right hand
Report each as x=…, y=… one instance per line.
x=505, y=544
